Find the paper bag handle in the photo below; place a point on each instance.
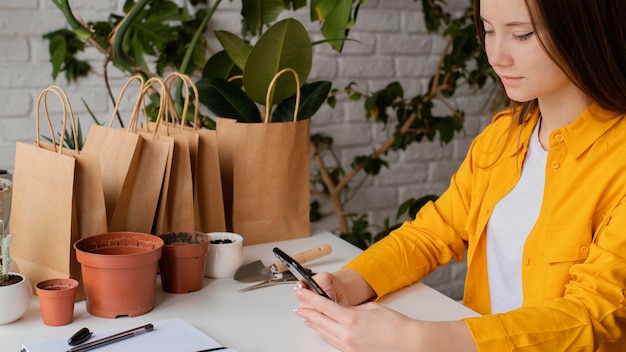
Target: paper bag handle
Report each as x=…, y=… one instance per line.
x=121, y=95
x=169, y=80
x=65, y=105
x=134, y=120
x=270, y=88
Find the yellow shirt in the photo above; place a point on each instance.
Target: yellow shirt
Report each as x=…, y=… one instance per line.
x=574, y=260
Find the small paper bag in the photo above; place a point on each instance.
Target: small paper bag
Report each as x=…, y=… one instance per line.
x=176, y=208
x=119, y=152
x=153, y=169
x=271, y=177
x=207, y=183
x=57, y=199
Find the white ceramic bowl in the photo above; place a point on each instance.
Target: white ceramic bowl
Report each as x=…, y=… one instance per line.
x=224, y=259
x=15, y=300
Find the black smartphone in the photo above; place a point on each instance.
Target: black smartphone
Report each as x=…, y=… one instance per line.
x=299, y=272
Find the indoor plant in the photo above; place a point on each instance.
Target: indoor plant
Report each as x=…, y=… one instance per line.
x=15, y=290
x=173, y=38
x=183, y=260
x=119, y=272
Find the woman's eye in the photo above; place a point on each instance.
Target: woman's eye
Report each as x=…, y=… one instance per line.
x=524, y=36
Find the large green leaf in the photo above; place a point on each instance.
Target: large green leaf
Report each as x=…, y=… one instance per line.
x=294, y=4
x=227, y=100
x=337, y=17
x=336, y=22
x=312, y=96
x=237, y=48
x=257, y=13
x=220, y=65
x=286, y=44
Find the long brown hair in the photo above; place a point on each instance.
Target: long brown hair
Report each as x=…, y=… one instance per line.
x=587, y=40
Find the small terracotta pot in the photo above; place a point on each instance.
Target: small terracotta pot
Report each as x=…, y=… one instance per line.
x=119, y=272
x=183, y=260
x=56, y=300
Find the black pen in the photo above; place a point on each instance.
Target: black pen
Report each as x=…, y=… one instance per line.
x=112, y=339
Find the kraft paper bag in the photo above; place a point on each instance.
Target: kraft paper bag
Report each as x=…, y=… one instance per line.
x=152, y=174
x=176, y=209
x=57, y=199
x=119, y=152
x=207, y=183
x=208, y=197
x=225, y=136
x=271, y=178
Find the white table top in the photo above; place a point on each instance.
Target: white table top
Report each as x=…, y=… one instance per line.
x=257, y=320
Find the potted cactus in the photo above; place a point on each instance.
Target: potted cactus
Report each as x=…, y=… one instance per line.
x=15, y=289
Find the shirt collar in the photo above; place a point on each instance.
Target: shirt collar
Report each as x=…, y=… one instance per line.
x=579, y=135
x=588, y=128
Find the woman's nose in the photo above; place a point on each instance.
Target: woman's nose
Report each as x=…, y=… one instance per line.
x=498, y=52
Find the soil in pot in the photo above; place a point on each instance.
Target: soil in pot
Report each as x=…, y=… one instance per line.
x=182, y=261
x=119, y=272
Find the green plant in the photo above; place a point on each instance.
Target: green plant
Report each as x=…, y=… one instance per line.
x=6, y=257
x=173, y=37
x=408, y=119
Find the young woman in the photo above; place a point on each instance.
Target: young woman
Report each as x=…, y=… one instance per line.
x=538, y=205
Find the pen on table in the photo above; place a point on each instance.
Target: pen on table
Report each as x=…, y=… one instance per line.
x=213, y=349
x=112, y=339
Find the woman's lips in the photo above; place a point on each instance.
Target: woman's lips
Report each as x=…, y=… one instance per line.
x=509, y=80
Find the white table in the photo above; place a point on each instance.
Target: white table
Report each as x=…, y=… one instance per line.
x=257, y=320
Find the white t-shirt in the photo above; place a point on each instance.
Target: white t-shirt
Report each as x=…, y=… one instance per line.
x=511, y=221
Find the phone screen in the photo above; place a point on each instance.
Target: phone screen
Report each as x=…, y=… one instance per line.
x=298, y=271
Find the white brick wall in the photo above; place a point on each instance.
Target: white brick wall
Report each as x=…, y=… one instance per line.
x=392, y=45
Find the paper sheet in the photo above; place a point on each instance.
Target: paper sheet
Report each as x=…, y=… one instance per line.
x=172, y=335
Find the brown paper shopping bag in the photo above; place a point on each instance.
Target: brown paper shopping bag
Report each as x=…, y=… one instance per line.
x=207, y=183
x=176, y=209
x=271, y=177
x=118, y=151
x=57, y=199
x=152, y=173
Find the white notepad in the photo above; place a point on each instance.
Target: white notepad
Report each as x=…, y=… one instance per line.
x=172, y=335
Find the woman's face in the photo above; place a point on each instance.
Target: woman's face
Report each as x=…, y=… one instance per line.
x=515, y=54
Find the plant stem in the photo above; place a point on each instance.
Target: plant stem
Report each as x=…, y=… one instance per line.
x=189, y=53
x=335, y=189
x=79, y=27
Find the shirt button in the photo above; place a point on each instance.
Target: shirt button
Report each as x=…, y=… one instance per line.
x=527, y=261
x=558, y=137
x=555, y=164
x=468, y=299
x=584, y=249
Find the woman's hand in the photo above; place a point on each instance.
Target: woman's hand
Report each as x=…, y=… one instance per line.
x=371, y=326
x=368, y=327
x=345, y=286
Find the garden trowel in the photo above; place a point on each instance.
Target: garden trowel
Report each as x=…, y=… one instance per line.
x=256, y=271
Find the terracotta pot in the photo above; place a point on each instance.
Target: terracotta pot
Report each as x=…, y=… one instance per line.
x=15, y=299
x=183, y=260
x=56, y=300
x=119, y=272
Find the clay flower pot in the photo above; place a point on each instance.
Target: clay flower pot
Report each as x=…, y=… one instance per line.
x=183, y=260
x=14, y=298
x=56, y=300
x=119, y=272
